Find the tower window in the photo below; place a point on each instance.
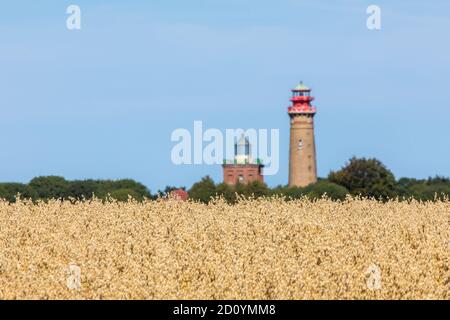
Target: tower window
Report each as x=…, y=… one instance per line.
x=301, y=94
x=300, y=144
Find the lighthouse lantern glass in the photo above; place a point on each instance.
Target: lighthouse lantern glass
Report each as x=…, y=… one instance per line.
x=243, y=149
x=301, y=93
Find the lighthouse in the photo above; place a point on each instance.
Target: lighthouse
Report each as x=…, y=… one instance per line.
x=302, y=148
x=242, y=169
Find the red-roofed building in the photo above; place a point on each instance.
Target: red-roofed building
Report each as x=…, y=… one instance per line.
x=180, y=195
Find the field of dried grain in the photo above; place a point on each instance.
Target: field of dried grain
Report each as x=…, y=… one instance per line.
x=257, y=249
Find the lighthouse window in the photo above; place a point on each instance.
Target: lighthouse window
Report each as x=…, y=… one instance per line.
x=300, y=144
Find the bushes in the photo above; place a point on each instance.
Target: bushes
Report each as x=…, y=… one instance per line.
x=205, y=190
x=366, y=177
x=53, y=187
x=50, y=187
x=255, y=189
x=9, y=191
x=431, y=189
x=124, y=194
x=360, y=177
x=313, y=191
x=79, y=189
x=321, y=188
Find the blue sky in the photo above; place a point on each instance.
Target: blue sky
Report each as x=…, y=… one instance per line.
x=103, y=101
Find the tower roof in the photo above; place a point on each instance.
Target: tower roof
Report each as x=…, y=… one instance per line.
x=301, y=87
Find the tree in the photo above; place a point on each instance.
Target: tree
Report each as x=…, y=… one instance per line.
x=313, y=191
x=429, y=192
x=138, y=188
x=321, y=188
x=58, y=188
x=366, y=177
x=50, y=187
x=438, y=180
x=227, y=192
x=139, y=191
x=80, y=189
x=203, y=190
x=294, y=193
x=124, y=194
x=290, y=193
x=9, y=191
x=423, y=189
x=253, y=189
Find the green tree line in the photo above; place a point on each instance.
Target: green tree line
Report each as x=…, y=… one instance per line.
x=53, y=187
x=359, y=177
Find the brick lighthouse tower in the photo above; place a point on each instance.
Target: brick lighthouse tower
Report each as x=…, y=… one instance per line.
x=302, y=150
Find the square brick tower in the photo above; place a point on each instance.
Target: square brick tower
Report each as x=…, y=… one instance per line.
x=242, y=169
x=302, y=149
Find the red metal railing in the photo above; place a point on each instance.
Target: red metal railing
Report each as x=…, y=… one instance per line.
x=302, y=99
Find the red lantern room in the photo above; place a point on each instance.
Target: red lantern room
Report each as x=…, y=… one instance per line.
x=301, y=101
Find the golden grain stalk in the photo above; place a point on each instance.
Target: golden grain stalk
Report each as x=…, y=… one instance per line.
x=256, y=249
